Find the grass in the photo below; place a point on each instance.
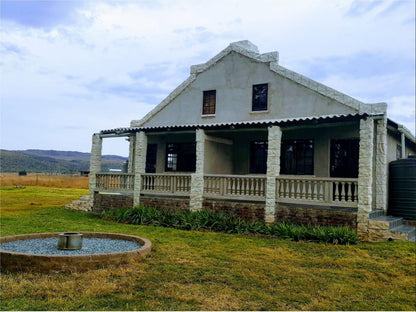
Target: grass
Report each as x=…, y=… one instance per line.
x=38, y=179
x=190, y=270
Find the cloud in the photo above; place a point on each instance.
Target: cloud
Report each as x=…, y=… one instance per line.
x=10, y=48
x=359, y=8
x=94, y=65
x=361, y=64
x=372, y=88
x=402, y=109
x=39, y=14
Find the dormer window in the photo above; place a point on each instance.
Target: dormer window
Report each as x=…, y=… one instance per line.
x=259, y=97
x=208, y=103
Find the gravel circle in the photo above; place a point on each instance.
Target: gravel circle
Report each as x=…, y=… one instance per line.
x=48, y=246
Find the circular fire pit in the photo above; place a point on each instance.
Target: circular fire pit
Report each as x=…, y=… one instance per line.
x=70, y=241
x=41, y=253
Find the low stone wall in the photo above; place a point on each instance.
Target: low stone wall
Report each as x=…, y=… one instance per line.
x=318, y=215
x=105, y=202
x=246, y=210
x=178, y=203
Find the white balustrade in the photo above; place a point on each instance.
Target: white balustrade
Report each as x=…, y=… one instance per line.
x=114, y=182
x=326, y=191
x=155, y=183
x=234, y=186
x=335, y=191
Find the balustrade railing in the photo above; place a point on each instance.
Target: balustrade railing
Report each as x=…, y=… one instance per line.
x=235, y=186
x=325, y=190
x=114, y=182
x=329, y=191
x=154, y=183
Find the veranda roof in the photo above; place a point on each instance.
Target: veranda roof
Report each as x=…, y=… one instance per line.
x=264, y=122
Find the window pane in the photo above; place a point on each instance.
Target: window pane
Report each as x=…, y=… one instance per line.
x=171, y=157
x=260, y=97
x=180, y=157
x=296, y=157
x=209, y=100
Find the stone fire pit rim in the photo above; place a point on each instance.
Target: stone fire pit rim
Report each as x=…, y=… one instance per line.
x=145, y=249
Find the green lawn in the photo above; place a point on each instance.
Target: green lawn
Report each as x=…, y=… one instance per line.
x=203, y=270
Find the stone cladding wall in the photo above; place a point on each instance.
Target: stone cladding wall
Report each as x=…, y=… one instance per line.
x=140, y=150
x=379, y=231
x=317, y=215
x=104, y=202
x=273, y=170
x=245, y=210
x=381, y=164
x=180, y=204
x=95, y=160
x=365, y=177
x=197, y=179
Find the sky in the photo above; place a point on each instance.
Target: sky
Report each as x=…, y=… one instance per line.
x=69, y=69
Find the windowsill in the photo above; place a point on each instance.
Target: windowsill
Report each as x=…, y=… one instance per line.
x=208, y=116
x=259, y=112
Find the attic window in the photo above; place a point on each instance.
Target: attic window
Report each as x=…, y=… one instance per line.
x=208, y=104
x=260, y=97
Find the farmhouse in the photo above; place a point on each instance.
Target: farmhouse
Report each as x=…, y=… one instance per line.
x=246, y=135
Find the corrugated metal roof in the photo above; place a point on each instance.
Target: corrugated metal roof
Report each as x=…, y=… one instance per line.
x=232, y=123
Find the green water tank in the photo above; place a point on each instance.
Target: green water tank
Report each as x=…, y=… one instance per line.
x=402, y=188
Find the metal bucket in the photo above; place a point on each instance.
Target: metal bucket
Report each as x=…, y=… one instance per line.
x=70, y=241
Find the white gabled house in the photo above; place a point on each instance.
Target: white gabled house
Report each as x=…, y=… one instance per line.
x=246, y=135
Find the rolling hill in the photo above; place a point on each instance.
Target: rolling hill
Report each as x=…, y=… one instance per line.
x=34, y=160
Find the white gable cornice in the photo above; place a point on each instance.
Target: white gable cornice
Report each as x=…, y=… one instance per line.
x=245, y=48
x=251, y=51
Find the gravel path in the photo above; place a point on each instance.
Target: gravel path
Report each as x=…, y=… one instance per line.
x=48, y=246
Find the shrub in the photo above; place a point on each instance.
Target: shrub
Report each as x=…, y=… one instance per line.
x=229, y=223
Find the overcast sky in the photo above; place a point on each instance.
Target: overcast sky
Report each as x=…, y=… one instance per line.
x=72, y=68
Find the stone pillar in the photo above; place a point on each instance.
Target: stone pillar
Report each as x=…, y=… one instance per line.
x=140, y=149
x=95, y=160
x=273, y=170
x=197, y=179
x=381, y=164
x=132, y=143
x=365, y=177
